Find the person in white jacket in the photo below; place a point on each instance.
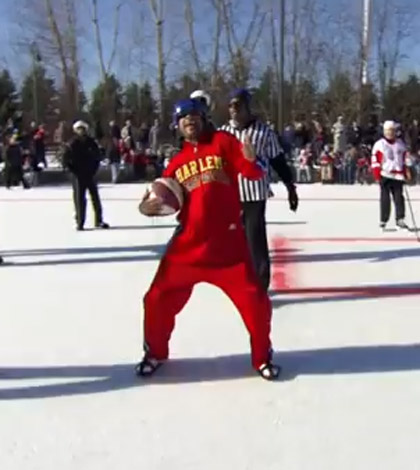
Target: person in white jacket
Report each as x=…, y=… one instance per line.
x=388, y=168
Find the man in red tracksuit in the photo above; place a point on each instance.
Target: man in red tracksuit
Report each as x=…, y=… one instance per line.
x=210, y=244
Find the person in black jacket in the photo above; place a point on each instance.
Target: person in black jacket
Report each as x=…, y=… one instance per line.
x=82, y=158
x=14, y=164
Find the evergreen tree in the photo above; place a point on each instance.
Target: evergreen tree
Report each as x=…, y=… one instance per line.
x=39, y=98
x=8, y=97
x=139, y=103
x=107, y=101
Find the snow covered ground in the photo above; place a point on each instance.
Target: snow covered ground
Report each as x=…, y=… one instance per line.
x=346, y=328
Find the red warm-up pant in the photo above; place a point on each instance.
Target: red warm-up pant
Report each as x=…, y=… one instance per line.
x=172, y=287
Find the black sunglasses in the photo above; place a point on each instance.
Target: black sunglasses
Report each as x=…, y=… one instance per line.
x=194, y=113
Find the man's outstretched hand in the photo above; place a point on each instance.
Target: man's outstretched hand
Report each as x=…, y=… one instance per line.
x=293, y=198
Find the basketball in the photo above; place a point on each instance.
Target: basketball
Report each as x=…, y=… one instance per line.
x=169, y=192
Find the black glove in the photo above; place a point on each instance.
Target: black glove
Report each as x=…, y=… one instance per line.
x=293, y=198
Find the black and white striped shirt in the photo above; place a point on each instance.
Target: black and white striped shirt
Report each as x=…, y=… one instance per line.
x=267, y=147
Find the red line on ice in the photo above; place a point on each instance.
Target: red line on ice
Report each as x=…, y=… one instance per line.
x=284, y=275
x=368, y=291
x=409, y=238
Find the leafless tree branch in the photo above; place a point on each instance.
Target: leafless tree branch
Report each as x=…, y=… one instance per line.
x=95, y=21
x=156, y=7
x=251, y=26
x=57, y=36
x=258, y=34
x=189, y=19
x=115, y=37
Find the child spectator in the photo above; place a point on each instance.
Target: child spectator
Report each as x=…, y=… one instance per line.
x=326, y=160
x=304, y=165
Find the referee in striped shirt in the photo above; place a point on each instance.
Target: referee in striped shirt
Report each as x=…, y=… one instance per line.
x=254, y=194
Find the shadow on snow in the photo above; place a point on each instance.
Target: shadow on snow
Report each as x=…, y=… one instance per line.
x=106, y=378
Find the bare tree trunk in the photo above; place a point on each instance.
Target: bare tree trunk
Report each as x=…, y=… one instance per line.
x=275, y=76
x=241, y=53
x=106, y=69
x=364, y=56
x=216, y=52
x=74, y=59
x=115, y=37
x=57, y=37
x=67, y=79
x=228, y=28
x=393, y=26
x=98, y=38
x=295, y=54
x=157, y=10
x=189, y=19
x=382, y=56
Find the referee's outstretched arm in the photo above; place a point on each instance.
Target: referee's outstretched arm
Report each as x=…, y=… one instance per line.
x=281, y=167
x=283, y=170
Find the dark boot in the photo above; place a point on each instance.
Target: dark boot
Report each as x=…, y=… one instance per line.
x=102, y=225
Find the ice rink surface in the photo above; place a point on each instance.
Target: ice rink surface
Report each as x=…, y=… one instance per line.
x=346, y=329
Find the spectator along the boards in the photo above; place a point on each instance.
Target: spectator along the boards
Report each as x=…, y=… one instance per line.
x=82, y=159
x=254, y=194
x=388, y=168
x=39, y=136
x=114, y=151
x=14, y=160
x=210, y=244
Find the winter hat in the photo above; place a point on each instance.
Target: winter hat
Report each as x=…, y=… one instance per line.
x=389, y=125
x=79, y=124
x=241, y=94
x=202, y=96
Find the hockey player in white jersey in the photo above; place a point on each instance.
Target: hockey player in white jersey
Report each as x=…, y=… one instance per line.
x=388, y=168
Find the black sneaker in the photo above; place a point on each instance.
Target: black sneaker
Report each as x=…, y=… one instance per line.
x=102, y=225
x=147, y=367
x=79, y=228
x=269, y=371
x=382, y=225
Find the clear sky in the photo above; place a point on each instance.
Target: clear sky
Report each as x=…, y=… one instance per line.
x=17, y=62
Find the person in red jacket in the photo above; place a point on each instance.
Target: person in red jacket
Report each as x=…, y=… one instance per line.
x=210, y=244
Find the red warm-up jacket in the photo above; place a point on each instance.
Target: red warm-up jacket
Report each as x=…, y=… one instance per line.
x=210, y=233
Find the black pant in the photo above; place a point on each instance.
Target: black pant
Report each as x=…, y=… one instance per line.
x=394, y=187
x=14, y=174
x=253, y=217
x=80, y=186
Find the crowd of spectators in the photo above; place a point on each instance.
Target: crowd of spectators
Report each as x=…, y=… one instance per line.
x=341, y=154
x=337, y=154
